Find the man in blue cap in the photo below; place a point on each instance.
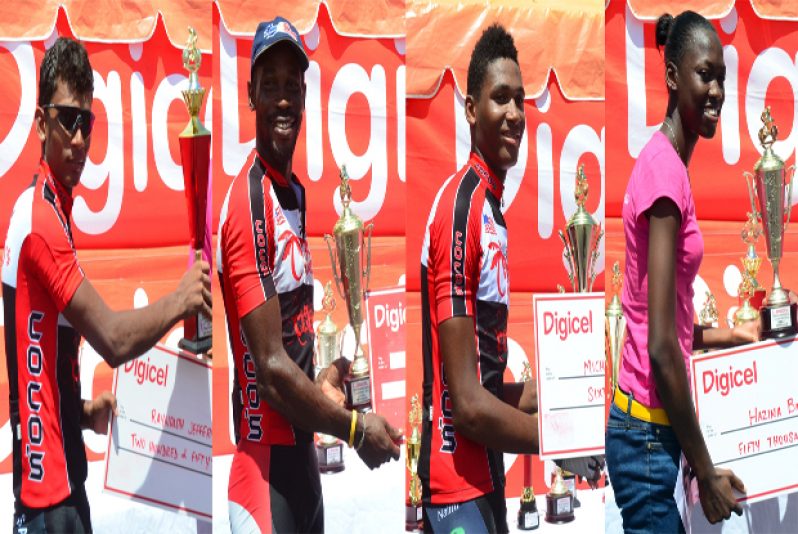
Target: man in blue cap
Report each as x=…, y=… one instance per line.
x=267, y=283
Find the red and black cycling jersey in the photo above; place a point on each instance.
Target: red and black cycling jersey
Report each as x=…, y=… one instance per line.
x=463, y=273
x=40, y=276
x=263, y=253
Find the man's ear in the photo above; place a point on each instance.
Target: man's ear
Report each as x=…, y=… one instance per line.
x=249, y=95
x=671, y=76
x=40, y=120
x=470, y=110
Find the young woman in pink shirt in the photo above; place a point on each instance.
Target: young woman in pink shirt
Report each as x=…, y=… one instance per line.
x=652, y=419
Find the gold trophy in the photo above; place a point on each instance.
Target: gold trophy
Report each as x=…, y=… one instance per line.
x=329, y=449
x=559, y=500
x=195, y=151
x=751, y=262
x=351, y=273
x=769, y=181
x=708, y=315
x=413, y=517
x=614, y=326
x=581, y=239
x=528, y=517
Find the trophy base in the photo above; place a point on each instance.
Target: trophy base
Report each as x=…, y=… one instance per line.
x=330, y=456
x=358, y=393
x=195, y=346
x=413, y=519
x=779, y=321
x=559, y=508
x=528, y=517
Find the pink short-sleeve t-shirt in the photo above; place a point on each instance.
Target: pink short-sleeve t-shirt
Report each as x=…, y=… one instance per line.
x=658, y=173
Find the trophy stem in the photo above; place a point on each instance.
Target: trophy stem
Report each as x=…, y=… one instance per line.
x=778, y=297
x=360, y=365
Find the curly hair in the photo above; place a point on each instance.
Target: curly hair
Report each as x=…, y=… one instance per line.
x=494, y=43
x=67, y=61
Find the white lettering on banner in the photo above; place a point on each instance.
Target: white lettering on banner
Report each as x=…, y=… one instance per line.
x=350, y=79
x=724, y=381
x=545, y=181
x=138, y=116
x=112, y=167
x=235, y=152
x=314, y=128
x=563, y=326
x=171, y=173
x=770, y=64
x=730, y=125
x=389, y=316
x=14, y=142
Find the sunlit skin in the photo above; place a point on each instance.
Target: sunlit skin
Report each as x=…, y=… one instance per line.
x=696, y=93
x=277, y=95
x=65, y=154
x=496, y=116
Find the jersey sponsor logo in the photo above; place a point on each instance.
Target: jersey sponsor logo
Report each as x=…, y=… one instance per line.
x=499, y=262
x=446, y=420
x=249, y=396
x=457, y=264
x=34, y=364
x=260, y=241
x=303, y=324
x=293, y=247
x=279, y=216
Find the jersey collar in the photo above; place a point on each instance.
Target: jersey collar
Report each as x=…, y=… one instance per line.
x=486, y=175
x=63, y=194
x=275, y=175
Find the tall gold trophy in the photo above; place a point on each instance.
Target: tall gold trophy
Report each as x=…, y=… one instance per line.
x=614, y=328
x=581, y=238
x=195, y=151
x=351, y=273
x=528, y=517
x=413, y=516
x=329, y=449
x=768, y=182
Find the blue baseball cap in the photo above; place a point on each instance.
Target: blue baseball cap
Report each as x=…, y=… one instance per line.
x=272, y=32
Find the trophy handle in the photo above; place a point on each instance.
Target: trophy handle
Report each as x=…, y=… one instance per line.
x=566, y=254
x=334, y=265
x=750, y=183
x=788, y=207
x=367, y=270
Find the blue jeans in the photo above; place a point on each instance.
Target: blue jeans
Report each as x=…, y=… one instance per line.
x=643, y=462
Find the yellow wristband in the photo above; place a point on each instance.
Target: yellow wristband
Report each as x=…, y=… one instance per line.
x=352, y=429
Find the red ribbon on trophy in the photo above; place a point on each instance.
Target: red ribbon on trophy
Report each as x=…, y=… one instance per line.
x=195, y=152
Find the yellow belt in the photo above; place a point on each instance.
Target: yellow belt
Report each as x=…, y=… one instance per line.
x=639, y=411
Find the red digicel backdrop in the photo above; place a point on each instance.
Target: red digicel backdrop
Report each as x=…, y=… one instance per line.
x=562, y=132
x=760, y=70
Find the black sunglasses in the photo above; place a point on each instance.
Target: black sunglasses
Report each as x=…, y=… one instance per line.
x=72, y=119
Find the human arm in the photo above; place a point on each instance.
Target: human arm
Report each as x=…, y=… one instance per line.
x=521, y=395
x=477, y=414
x=283, y=385
x=668, y=367
x=120, y=336
x=705, y=337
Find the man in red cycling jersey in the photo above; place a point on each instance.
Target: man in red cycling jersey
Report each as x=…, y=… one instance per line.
x=266, y=276
x=49, y=304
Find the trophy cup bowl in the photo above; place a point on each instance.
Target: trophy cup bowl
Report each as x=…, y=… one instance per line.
x=195, y=150
x=768, y=184
x=614, y=328
x=329, y=449
x=351, y=273
x=559, y=501
x=581, y=240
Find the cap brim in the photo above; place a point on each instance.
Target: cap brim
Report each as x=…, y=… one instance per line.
x=303, y=57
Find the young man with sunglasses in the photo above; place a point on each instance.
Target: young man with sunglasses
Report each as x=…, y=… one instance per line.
x=49, y=304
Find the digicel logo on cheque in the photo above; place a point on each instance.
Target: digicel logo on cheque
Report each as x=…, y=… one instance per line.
x=144, y=370
x=565, y=325
x=725, y=381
